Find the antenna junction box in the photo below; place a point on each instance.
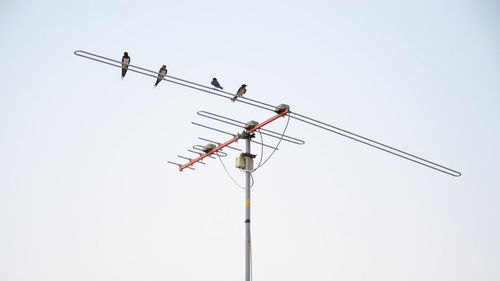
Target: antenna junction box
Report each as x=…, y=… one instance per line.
x=241, y=162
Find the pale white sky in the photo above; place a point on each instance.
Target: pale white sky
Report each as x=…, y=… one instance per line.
x=86, y=194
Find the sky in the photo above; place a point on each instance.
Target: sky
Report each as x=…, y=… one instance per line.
x=86, y=192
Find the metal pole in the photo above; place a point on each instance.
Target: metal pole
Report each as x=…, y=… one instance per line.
x=248, y=244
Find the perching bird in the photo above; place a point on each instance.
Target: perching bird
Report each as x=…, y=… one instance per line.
x=161, y=74
x=216, y=84
x=125, y=63
x=241, y=91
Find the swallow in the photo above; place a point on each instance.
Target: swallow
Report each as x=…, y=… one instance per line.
x=241, y=91
x=216, y=84
x=161, y=74
x=125, y=63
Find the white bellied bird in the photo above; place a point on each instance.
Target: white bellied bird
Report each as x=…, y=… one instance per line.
x=241, y=91
x=125, y=63
x=161, y=74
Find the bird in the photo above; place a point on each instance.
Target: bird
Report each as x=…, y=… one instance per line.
x=216, y=84
x=241, y=91
x=125, y=63
x=161, y=74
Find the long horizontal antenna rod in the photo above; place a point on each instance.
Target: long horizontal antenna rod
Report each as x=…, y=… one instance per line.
x=249, y=131
x=181, y=82
x=237, y=123
x=211, y=141
x=196, y=152
x=266, y=106
x=377, y=145
x=177, y=164
x=224, y=132
x=200, y=148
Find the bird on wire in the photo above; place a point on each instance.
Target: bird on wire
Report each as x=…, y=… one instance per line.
x=216, y=84
x=161, y=74
x=125, y=63
x=241, y=91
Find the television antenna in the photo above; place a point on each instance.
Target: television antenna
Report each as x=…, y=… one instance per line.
x=245, y=160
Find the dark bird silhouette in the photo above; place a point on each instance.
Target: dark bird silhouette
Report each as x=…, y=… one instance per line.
x=241, y=91
x=125, y=63
x=161, y=74
x=216, y=84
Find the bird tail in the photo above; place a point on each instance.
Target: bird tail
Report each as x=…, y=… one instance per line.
x=233, y=99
